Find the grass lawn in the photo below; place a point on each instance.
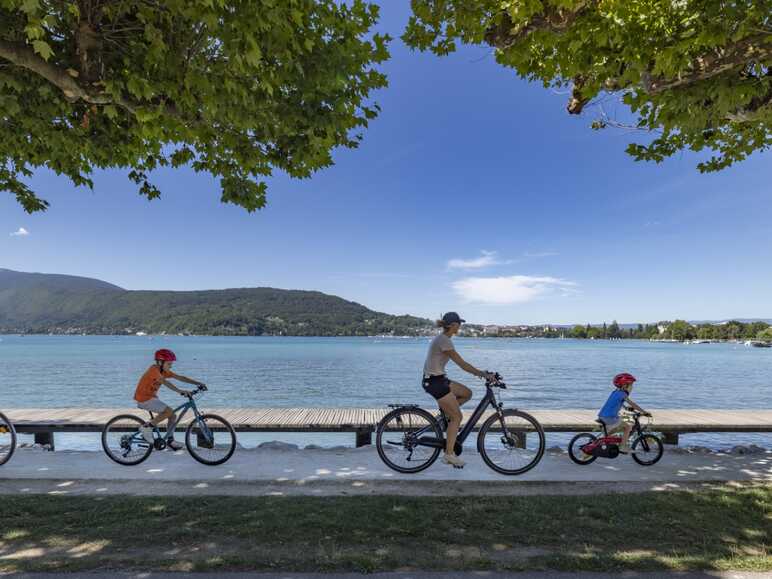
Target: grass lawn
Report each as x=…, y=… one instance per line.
x=708, y=529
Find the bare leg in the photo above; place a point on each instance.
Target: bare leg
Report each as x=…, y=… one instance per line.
x=626, y=435
x=159, y=418
x=461, y=392
x=172, y=420
x=449, y=405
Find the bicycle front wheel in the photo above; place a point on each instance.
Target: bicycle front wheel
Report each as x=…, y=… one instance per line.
x=647, y=449
x=122, y=441
x=398, y=435
x=7, y=439
x=210, y=439
x=512, y=443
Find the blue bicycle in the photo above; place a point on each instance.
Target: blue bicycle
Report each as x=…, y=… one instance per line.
x=209, y=438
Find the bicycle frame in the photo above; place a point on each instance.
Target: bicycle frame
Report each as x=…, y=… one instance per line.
x=185, y=407
x=488, y=400
x=615, y=439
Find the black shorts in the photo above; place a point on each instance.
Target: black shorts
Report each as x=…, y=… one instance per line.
x=437, y=386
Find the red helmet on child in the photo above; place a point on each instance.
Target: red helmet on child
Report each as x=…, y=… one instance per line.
x=164, y=355
x=623, y=379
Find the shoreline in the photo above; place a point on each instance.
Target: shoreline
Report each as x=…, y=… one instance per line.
x=378, y=336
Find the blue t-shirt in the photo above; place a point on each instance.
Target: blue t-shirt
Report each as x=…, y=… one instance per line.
x=613, y=405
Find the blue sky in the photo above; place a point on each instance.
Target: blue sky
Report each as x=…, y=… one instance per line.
x=473, y=191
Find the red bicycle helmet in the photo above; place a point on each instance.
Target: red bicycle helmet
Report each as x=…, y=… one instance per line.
x=623, y=379
x=164, y=355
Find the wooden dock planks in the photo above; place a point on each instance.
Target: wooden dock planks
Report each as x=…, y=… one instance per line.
x=357, y=419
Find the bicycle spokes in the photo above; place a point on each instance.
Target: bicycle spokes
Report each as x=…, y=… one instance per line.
x=210, y=439
x=123, y=442
x=399, y=439
x=511, y=443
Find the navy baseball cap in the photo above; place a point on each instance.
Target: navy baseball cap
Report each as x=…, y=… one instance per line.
x=452, y=318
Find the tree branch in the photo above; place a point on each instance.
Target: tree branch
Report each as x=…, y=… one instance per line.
x=557, y=20
x=756, y=48
x=23, y=55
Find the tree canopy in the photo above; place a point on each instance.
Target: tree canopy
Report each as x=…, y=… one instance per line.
x=234, y=89
x=698, y=72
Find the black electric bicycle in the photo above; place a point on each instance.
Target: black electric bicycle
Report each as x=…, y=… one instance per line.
x=7, y=439
x=209, y=438
x=409, y=439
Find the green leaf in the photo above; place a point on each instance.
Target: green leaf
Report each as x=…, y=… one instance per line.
x=236, y=89
x=42, y=48
x=30, y=6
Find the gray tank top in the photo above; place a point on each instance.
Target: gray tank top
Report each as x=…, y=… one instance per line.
x=438, y=355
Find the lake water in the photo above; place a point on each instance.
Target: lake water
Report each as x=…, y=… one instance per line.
x=102, y=371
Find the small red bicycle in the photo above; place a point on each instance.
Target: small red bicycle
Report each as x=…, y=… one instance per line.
x=646, y=448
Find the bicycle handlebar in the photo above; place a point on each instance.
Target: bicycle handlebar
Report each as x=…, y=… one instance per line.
x=497, y=381
x=196, y=392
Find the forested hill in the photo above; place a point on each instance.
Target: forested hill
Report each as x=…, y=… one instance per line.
x=43, y=303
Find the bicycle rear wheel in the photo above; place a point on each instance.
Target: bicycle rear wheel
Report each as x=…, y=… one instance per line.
x=122, y=441
x=210, y=439
x=397, y=439
x=7, y=439
x=575, y=448
x=514, y=449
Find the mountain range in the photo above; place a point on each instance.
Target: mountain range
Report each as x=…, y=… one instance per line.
x=53, y=303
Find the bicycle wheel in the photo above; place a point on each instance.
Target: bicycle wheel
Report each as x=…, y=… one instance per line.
x=122, y=441
x=7, y=439
x=647, y=449
x=396, y=439
x=210, y=439
x=575, y=448
x=514, y=449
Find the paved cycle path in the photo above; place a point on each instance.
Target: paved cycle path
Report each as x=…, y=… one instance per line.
x=360, y=471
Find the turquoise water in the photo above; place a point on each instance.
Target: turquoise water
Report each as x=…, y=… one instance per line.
x=101, y=371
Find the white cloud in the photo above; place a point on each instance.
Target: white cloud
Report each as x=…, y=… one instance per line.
x=486, y=259
x=540, y=254
x=21, y=232
x=510, y=289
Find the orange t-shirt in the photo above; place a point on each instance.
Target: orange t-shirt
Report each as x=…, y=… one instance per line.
x=150, y=383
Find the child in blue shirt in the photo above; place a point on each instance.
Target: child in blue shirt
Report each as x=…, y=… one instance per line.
x=609, y=414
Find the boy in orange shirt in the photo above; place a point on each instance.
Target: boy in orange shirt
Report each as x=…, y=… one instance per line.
x=146, y=396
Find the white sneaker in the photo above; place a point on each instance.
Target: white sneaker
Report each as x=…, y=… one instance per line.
x=453, y=460
x=147, y=433
x=173, y=444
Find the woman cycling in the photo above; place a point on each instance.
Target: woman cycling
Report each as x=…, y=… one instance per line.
x=449, y=395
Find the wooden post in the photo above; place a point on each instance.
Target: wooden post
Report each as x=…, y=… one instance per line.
x=670, y=438
x=364, y=437
x=45, y=438
x=519, y=439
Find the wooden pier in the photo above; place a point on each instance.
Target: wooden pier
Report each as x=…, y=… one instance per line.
x=44, y=423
